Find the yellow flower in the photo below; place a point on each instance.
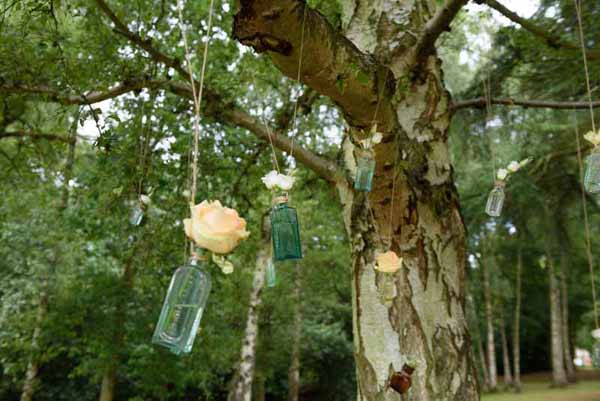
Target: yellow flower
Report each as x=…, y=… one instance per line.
x=216, y=228
x=593, y=137
x=388, y=262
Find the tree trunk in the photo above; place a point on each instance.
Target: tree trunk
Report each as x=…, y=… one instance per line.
x=484, y=366
x=517, y=326
x=568, y=357
x=489, y=319
x=508, y=380
x=294, y=372
x=241, y=389
x=559, y=376
x=375, y=71
x=33, y=365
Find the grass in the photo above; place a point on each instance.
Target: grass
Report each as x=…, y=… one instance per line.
x=537, y=388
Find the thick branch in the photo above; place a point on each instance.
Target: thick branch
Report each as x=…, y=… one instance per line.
x=552, y=40
x=438, y=25
x=331, y=64
x=541, y=104
x=35, y=136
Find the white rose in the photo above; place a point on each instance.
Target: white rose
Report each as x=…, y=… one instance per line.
x=270, y=179
x=593, y=137
x=275, y=180
x=502, y=174
x=145, y=199
x=376, y=138
x=514, y=166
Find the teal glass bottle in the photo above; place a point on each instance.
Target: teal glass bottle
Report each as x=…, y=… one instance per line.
x=270, y=274
x=596, y=355
x=136, y=215
x=365, y=169
x=285, y=232
x=495, y=200
x=592, y=172
x=183, y=307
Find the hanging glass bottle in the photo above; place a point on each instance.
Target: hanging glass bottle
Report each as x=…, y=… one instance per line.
x=388, y=289
x=285, y=231
x=136, y=214
x=270, y=274
x=496, y=200
x=592, y=172
x=183, y=307
x=596, y=355
x=365, y=169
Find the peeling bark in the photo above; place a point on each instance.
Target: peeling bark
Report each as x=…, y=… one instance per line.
x=242, y=384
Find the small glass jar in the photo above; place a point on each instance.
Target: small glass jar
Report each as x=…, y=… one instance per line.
x=365, y=169
x=136, y=215
x=596, y=355
x=496, y=200
x=270, y=274
x=387, y=289
x=183, y=307
x=591, y=180
x=285, y=231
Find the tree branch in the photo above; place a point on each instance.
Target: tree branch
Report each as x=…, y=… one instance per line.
x=36, y=135
x=226, y=112
x=541, y=104
x=550, y=39
x=438, y=25
x=331, y=64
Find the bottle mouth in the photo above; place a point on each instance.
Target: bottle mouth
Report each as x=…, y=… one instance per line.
x=500, y=183
x=279, y=199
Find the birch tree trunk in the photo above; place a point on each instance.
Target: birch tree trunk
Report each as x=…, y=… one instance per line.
x=559, y=376
x=241, y=389
x=484, y=366
x=382, y=67
x=508, y=380
x=568, y=357
x=517, y=325
x=489, y=319
x=294, y=372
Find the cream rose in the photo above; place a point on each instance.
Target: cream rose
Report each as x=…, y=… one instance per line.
x=388, y=262
x=216, y=228
x=593, y=137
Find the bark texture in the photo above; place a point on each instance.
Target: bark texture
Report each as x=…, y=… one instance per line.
x=294, y=372
x=382, y=61
x=517, y=326
x=559, y=375
x=489, y=321
x=242, y=385
x=508, y=379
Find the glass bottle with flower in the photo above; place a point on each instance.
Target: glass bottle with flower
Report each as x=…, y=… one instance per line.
x=591, y=180
x=213, y=228
x=285, y=229
x=496, y=197
x=365, y=161
x=388, y=263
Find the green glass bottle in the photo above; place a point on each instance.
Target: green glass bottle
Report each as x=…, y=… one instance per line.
x=365, y=169
x=183, y=307
x=285, y=231
x=596, y=355
x=592, y=172
x=270, y=274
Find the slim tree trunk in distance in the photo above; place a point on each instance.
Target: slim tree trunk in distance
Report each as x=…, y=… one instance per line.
x=564, y=291
x=241, y=388
x=294, y=372
x=559, y=375
x=517, y=326
x=508, y=379
x=484, y=366
x=489, y=318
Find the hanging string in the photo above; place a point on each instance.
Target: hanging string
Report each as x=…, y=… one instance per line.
x=585, y=63
x=294, y=122
x=580, y=162
x=196, y=94
x=487, y=93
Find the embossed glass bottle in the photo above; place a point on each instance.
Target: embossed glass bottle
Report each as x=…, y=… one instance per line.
x=285, y=231
x=270, y=274
x=388, y=289
x=183, y=307
x=592, y=172
x=365, y=169
x=496, y=200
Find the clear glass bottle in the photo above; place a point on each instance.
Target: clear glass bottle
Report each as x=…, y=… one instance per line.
x=285, y=231
x=365, y=169
x=496, y=200
x=387, y=289
x=183, y=307
x=596, y=355
x=592, y=172
x=136, y=215
x=270, y=274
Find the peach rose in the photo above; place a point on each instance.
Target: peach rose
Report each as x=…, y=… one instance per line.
x=216, y=228
x=388, y=262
